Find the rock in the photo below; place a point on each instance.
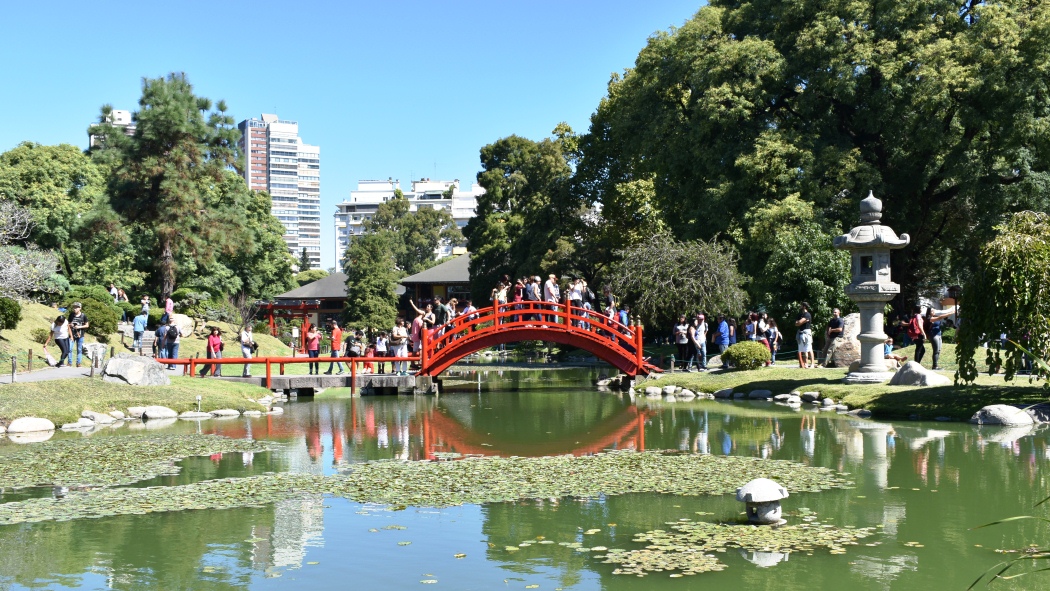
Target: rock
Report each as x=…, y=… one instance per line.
x=739, y=395
x=913, y=374
x=828, y=402
x=686, y=394
x=185, y=324
x=82, y=423
x=669, y=390
x=29, y=425
x=760, y=395
x=861, y=413
x=793, y=400
x=724, y=393
x=95, y=351
x=265, y=400
x=1002, y=414
x=194, y=415
x=225, y=412
x=252, y=413
x=653, y=391
x=810, y=396
x=98, y=418
x=159, y=412
x=276, y=411
x=782, y=397
x=135, y=412
x=126, y=368
x=116, y=414
x=846, y=349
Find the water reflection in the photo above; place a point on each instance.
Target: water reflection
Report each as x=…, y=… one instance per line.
x=920, y=483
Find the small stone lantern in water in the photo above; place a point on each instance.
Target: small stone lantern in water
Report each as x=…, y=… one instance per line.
x=869, y=245
x=762, y=497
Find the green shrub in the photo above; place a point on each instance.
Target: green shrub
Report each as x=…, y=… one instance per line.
x=746, y=355
x=948, y=336
x=79, y=293
x=39, y=335
x=154, y=316
x=10, y=314
x=130, y=310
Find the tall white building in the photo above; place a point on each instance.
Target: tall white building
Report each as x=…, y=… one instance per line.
x=351, y=214
x=278, y=161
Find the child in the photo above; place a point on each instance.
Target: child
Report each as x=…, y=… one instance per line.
x=370, y=352
x=381, y=350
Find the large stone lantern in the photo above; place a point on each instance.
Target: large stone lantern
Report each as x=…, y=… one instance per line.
x=870, y=244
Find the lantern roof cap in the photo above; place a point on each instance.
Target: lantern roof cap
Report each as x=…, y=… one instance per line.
x=761, y=490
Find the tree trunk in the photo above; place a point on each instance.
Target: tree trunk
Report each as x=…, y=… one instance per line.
x=167, y=269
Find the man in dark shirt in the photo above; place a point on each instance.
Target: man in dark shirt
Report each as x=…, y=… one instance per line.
x=834, y=331
x=804, y=337
x=78, y=323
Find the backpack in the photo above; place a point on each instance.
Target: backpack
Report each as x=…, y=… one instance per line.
x=162, y=332
x=914, y=327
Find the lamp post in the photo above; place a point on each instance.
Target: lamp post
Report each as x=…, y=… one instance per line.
x=870, y=244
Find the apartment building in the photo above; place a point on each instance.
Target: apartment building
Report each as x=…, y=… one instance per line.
x=351, y=214
x=278, y=161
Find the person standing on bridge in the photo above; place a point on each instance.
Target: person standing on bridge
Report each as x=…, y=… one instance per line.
x=552, y=295
x=337, y=347
x=247, y=344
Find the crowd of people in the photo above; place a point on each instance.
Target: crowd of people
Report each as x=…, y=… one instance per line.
x=696, y=337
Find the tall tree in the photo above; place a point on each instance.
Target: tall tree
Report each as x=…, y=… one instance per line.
x=162, y=175
x=304, y=260
x=528, y=219
x=371, y=300
x=939, y=106
x=413, y=235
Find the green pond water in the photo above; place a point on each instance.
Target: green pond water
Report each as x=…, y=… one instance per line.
x=922, y=485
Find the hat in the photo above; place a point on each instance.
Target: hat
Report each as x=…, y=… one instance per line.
x=536, y=278
x=77, y=305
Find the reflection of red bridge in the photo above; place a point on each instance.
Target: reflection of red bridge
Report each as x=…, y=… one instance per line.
x=604, y=337
x=442, y=433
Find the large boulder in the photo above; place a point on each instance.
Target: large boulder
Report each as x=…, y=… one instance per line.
x=846, y=349
x=158, y=412
x=1002, y=414
x=136, y=370
x=185, y=324
x=29, y=425
x=913, y=374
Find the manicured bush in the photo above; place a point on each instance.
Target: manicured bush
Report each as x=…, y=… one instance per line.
x=154, y=316
x=746, y=355
x=79, y=293
x=130, y=310
x=40, y=335
x=948, y=336
x=10, y=314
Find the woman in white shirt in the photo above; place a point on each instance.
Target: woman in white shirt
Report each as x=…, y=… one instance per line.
x=399, y=341
x=60, y=334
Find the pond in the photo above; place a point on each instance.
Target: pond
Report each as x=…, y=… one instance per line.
x=920, y=486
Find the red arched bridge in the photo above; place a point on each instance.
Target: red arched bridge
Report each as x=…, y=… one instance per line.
x=609, y=340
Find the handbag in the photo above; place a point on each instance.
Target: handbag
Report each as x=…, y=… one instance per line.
x=49, y=359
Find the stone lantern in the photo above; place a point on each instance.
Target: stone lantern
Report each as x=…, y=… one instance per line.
x=762, y=497
x=869, y=245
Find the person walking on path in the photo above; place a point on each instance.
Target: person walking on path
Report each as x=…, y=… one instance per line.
x=313, y=349
x=399, y=340
x=171, y=341
x=337, y=347
x=60, y=334
x=700, y=341
x=145, y=305
x=247, y=345
x=138, y=328
x=833, y=332
x=804, y=337
x=78, y=324
x=214, y=351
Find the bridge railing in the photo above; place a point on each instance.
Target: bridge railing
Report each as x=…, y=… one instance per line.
x=623, y=339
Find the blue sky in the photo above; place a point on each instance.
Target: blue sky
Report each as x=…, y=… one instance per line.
x=405, y=89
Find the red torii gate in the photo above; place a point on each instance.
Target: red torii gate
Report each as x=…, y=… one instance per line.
x=609, y=340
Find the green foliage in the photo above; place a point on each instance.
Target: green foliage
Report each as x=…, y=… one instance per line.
x=413, y=235
x=663, y=278
x=79, y=293
x=40, y=335
x=129, y=309
x=760, y=100
x=526, y=209
x=371, y=281
x=102, y=318
x=154, y=316
x=10, y=314
x=304, y=260
x=948, y=336
x=746, y=355
x=304, y=277
x=1008, y=294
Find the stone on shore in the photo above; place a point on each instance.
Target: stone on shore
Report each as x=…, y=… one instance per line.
x=29, y=425
x=670, y=390
x=252, y=413
x=135, y=412
x=158, y=412
x=98, y=418
x=653, y=392
x=82, y=423
x=793, y=399
x=846, y=349
x=135, y=370
x=782, y=397
x=828, y=402
x=861, y=413
x=194, y=415
x=116, y=414
x=913, y=374
x=1002, y=414
x=760, y=395
x=810, y=396
x=226, y=412
x=686, y=394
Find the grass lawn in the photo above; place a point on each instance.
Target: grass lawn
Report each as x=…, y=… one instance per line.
x=62, y=401
x=957, y=402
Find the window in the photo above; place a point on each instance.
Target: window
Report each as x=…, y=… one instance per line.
x=866, y=266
